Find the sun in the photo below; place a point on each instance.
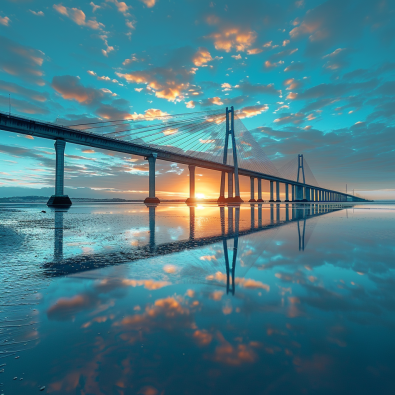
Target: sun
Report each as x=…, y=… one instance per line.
x=200, y=195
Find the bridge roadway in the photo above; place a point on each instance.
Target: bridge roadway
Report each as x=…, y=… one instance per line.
x=21, y=125
x=82, y=263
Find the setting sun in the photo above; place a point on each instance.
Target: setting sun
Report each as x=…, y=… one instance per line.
x=200, y=195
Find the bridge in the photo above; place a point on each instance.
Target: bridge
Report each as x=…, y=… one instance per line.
x=209, y=139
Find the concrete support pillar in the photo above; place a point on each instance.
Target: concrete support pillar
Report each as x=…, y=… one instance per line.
x=259, y=190
x=59, y=199
x=293, y=192
x=192, y=197
x=59, y=170
x=287, y=192
x=230, y=185
x=221, y=198
x=299, y=193
x=151, y=194
x=271, y=192
x=307, y=194
x=278, y=191
x=252, y=186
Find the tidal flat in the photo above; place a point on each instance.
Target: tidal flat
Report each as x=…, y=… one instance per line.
x=171, y=299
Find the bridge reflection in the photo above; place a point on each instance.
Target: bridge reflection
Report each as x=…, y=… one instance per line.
x=232, y=228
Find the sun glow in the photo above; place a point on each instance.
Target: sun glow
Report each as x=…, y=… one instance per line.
x=200, y=195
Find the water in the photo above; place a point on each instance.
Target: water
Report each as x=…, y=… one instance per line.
x=125, y=299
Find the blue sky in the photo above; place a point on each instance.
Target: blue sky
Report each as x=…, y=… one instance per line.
x=309, y=77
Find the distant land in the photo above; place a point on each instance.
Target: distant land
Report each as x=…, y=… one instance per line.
x=44, y=199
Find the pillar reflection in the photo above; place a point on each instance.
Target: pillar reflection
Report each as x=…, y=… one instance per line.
x=58, y=235
x=192, y=222
x=152, y=225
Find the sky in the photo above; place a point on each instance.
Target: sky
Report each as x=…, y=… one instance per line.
x=308, y=77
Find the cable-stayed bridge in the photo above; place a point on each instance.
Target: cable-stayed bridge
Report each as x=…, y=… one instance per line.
x=214, y=140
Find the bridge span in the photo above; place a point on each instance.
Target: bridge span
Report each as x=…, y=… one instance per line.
x=299, y=190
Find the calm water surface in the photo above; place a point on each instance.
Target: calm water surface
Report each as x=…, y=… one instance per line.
x=268, y=299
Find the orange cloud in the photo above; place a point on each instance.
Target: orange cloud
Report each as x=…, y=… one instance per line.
x=5, y=21
x=251, y=111
x=216, y=100
x=201, y=57
x=233, y=38
x=235, y=355
x=216, y=295
x=166, y=83
x=77, y=16
x=271, y=65
x=122, y=6
x=149, y=3
x=304, y=28
x=190, y=104
x=254, y=51
x=148, y=284
x=242, y=282
x=203, y=338
x=292, y=95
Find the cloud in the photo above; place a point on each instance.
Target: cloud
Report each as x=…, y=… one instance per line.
x=291, y=83
x=282, y=54
x=109, y=48
x=20, y=90
x=77, y=16
x=38, y=13
x=167, y=83
x=94, y=6
x=190, y=104
x=334, y=22
x=296, y=66
x=122, y=6
x=233, y=38
x=66, y=308
x=70, y=88
x=254, y=51
x=22, y=61
x=337, y=59
x=110, y=112
x=269, y=65
x=5, y=21
x=149, y=3
x=247, y=88
x=251, y=111
x=23, y=106
x=336, y=90
x=291, y=118
x=216, y=100
x=201, y=57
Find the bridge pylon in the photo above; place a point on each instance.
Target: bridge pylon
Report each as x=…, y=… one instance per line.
x=300, y=190
x=230, y=131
